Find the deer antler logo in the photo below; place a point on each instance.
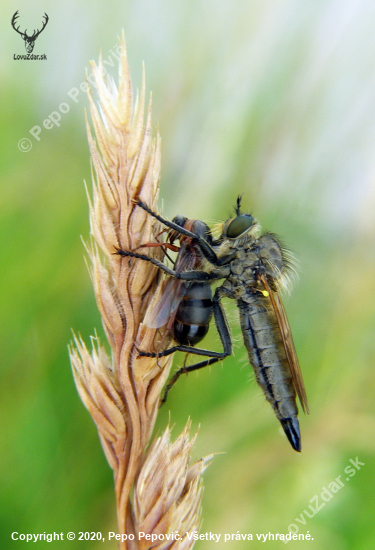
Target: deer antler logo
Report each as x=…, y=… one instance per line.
x=29, y=40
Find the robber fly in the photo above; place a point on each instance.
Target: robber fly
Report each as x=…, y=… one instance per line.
x=253, y=267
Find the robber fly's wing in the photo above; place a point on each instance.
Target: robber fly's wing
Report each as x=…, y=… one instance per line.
x=290, y=351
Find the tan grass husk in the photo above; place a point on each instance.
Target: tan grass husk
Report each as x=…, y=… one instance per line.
x=122, y=393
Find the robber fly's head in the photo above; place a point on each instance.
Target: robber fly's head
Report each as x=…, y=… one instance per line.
x=241, y=226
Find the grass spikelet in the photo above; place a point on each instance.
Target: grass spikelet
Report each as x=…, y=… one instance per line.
x=122, y=392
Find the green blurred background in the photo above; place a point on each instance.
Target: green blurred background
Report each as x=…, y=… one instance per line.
x=273, y=99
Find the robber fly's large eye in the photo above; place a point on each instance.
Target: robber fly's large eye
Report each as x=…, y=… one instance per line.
x=239, y=225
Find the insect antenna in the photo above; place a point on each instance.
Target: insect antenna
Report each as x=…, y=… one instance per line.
x=237, y=209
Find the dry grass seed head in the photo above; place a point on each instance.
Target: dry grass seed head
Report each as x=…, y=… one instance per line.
x=122, y=393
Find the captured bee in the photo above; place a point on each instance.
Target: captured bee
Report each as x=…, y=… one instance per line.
x=185, y=308
x=253, y=267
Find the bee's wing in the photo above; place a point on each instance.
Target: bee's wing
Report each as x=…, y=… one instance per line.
x=290, y=351
x=165, y=310
x=167, y=305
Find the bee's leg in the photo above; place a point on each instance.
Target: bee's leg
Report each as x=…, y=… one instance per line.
x=225, y=337
x=162, y=245
x=185, y=360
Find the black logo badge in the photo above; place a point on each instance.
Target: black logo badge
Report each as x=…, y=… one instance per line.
x=29, y=40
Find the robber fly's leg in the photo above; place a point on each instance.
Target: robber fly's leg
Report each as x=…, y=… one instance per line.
x=185, y=370
x=167, y=223
x=225, y=337
x=184, y=275
x=223, y=330
x=207, y=250
x=184, y=349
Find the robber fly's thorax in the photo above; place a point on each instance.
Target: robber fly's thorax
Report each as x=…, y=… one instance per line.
x=243, y=266
x=255, y=256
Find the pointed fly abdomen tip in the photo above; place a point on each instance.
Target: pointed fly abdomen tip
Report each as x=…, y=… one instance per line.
x=291, y=429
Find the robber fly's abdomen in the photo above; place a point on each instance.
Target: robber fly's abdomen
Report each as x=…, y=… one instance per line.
x=193, y=315
x=267, y=355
